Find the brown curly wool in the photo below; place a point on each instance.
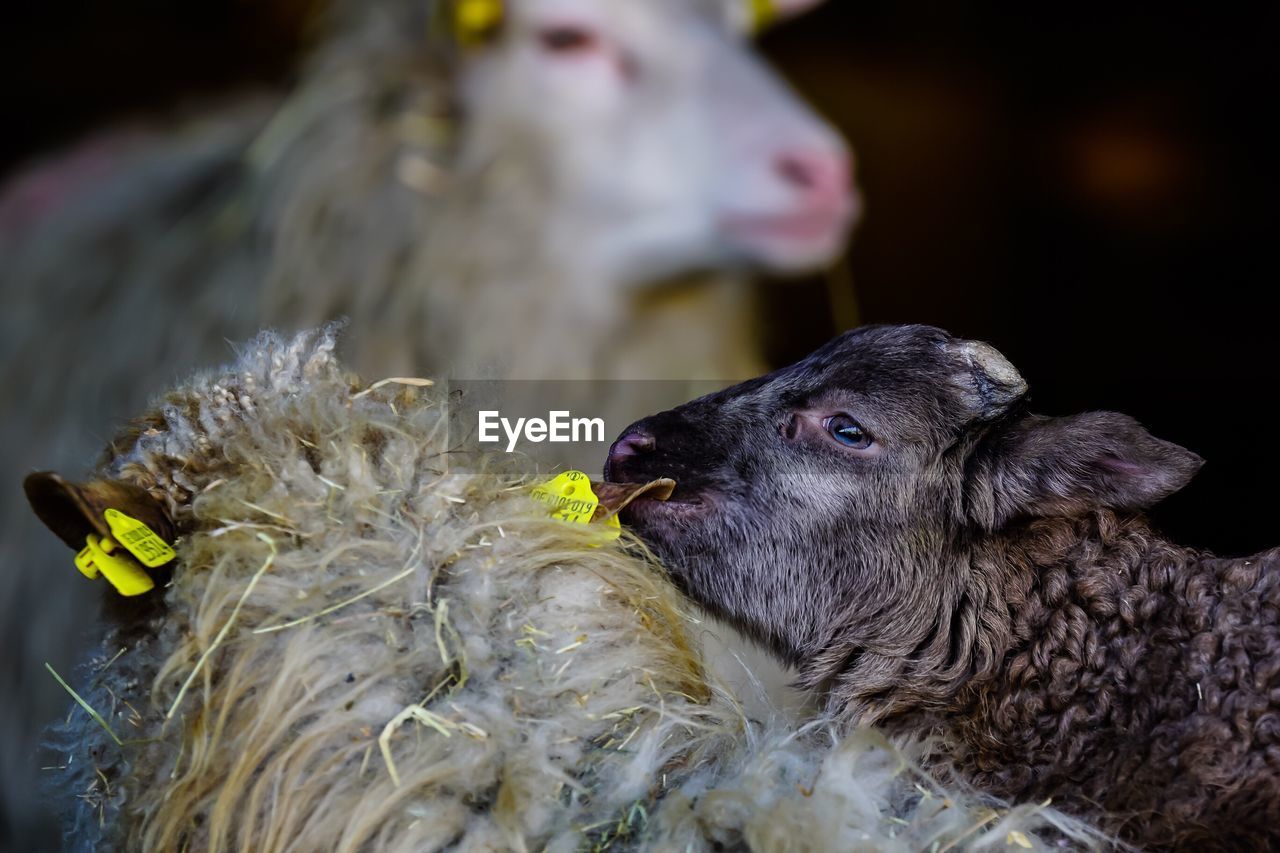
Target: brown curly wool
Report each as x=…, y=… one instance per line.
x=1139, y=679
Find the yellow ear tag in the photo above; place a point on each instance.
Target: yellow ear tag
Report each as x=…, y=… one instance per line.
x=474, y=20
x=762, y=14
x=99, y=557
x=138, y=539
x=571, y=499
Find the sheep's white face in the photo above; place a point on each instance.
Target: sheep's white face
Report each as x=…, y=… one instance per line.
x=667, y=144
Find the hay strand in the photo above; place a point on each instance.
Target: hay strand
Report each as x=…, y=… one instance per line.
x=97, y=718
x=226, y=627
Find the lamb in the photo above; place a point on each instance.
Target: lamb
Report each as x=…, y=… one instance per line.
x=888, y=516
x=576, y=189
x=369, y=643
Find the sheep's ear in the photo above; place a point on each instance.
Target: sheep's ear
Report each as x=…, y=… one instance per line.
x=73, y=511
x=1065, y=466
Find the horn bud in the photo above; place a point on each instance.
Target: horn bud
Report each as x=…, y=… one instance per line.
x=988, y=381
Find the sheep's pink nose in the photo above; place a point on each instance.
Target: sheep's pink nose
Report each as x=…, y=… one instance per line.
x=821, y=175
x=632, y=444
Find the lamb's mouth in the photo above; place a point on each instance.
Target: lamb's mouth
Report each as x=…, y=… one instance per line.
x=639, y=501
x=615, y=496
x=655, y=508
x=671, y=506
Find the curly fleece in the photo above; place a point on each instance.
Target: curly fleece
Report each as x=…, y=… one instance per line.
x=1139, y=683
x=370, y=644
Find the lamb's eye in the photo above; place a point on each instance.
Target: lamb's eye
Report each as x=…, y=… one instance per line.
x=848, y=432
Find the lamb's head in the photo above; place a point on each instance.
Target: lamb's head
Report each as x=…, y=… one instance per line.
x=664, y=141
x=831, y=509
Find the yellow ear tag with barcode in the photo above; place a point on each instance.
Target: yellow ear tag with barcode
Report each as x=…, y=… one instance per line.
x=138, y=539
x=99, y=557
x=571, y=499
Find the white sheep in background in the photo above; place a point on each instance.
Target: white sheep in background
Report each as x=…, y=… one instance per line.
x=581, y=191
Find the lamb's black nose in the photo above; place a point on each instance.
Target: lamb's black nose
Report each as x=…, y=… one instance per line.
x=632, y=443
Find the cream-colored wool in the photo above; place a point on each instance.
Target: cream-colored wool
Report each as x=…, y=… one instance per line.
x=370, y=644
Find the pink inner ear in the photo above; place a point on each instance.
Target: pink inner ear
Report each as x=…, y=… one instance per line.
x=1119, y=466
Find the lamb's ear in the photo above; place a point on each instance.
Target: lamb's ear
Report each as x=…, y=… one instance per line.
x=1065, y=466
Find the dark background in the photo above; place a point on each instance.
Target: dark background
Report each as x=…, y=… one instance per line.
x=1082, y=184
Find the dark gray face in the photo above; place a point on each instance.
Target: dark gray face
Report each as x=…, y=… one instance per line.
x=833, y=502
